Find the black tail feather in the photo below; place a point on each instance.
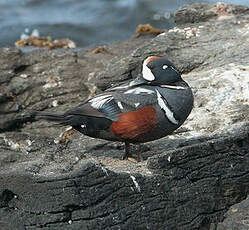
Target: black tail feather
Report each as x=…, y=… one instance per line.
x=58, y=118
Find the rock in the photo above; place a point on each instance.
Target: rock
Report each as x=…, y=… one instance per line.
x=174, y=187
x=237, y=217
x=197, y=12
x=202, y=12
x=194, y=179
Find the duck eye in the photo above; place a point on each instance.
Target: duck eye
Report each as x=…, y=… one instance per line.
x=165, y=66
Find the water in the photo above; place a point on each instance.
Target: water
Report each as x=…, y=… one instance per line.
x=86, y=21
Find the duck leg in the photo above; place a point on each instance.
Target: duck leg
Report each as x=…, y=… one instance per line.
x=128, y=156
x=139, y=153
x=127, y=153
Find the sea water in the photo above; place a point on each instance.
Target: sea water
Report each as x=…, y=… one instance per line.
x=86, y=21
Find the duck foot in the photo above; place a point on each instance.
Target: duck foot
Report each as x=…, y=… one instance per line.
x=128, y=156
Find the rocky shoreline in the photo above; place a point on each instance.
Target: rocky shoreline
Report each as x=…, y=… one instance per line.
x=195, y=179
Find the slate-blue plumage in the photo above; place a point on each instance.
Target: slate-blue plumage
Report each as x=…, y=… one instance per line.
x=145, y=109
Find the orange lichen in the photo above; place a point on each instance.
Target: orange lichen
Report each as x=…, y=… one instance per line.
x=147, y=29
x=65, y=136
x=100, y=49
x=222, y=9
x=51, y=83
x=46, y=42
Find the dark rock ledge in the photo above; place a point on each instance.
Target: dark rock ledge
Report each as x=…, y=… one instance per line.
x=195, y=179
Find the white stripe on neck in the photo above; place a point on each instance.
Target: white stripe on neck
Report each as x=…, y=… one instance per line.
x=168, y=113
x=172, y=86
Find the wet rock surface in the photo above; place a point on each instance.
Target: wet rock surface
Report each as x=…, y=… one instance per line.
x=197, y=178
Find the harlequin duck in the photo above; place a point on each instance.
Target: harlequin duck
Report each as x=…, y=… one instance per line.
x=145, y=109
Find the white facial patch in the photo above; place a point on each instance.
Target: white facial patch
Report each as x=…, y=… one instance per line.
x=98, y=102
x=165, y=66
x=146, y=72
x=120, y=105
x=139, y=90
x=83, y=126
x=168, y=113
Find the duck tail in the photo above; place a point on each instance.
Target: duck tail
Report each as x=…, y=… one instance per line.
x=54, y=117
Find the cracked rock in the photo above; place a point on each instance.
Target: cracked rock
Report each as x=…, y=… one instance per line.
x=197, y=178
